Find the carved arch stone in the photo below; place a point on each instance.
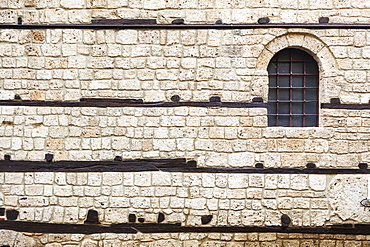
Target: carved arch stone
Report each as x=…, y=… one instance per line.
x=310, y=44
x=307, y=42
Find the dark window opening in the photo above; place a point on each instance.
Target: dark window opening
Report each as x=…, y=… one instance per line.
x=293, y=89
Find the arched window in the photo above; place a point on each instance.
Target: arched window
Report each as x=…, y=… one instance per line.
x=293, y=89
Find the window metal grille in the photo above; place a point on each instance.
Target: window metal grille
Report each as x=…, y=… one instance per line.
x=293, y=89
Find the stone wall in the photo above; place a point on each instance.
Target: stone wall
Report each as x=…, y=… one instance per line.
x=223, y=137
x=190, y=239
x=153, y=65
x=204, y=239
x=232, y=199
x=156, y=64
x=80, y=11
x=194, y=64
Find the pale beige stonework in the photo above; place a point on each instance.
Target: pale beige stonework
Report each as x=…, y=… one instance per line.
x=214, y=137
x=196, y=239
x=37, y=67
x=154, y=65
x=235, y=199
x=80, y=11
x=125, y=66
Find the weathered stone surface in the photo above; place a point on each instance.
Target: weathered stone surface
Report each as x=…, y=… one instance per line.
x=317, y=182
x=345, y=194
x=154, y=65
x=15, y=239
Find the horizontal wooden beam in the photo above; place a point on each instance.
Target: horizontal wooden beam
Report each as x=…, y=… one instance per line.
x=221, y=26
x=135, y=165
x=165, y=165
x=336, y=104
x=269, y=170
x=124, y=21
x=114, y=102
x=106, y=102
x=40, y=227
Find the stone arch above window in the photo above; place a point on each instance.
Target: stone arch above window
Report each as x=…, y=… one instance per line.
x=293, y=96
x=314, y=46
x=308, y=42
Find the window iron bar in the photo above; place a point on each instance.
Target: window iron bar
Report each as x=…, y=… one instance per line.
x=286, y=115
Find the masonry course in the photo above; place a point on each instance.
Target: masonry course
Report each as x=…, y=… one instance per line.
x=153, y=65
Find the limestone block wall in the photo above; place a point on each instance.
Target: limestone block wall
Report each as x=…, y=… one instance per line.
x=223, y=137
x=232, y=199
x=185, y=240
x=154, y=65
x=81, y=11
